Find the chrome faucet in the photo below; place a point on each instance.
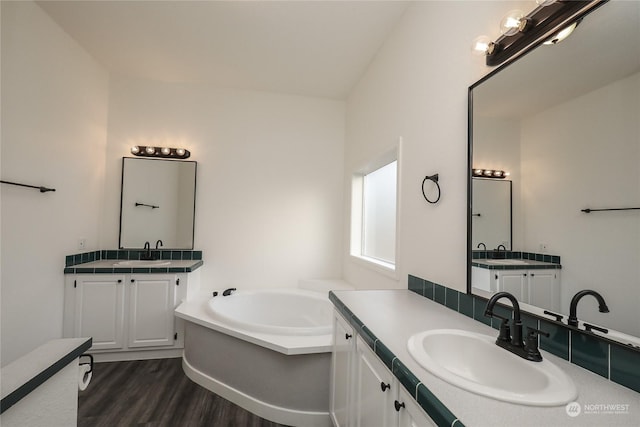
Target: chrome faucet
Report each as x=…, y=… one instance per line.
x=514, y=343
x=573, y=307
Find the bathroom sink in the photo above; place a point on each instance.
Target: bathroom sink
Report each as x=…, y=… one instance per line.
x=142, y=263
x=505, y=261
x=475, y=363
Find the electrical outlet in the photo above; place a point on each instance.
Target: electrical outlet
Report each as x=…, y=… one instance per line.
x=82, y=243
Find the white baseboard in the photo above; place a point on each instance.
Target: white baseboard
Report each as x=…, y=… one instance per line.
x=123, y=356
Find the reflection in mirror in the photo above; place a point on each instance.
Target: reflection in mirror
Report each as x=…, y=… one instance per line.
x=491, y=215
x=157, y=203
x=563, y=120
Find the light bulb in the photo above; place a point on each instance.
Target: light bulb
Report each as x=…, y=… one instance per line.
x=166, y=151
x=135, y=149
x=563, y=34
x=481, y=45
x=150, y=150
x=180, y=151
x=488, y=172
x=510, y=24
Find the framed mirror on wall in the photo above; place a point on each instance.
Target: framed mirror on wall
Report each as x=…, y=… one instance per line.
x=563, y=120
x=491, y=216
x=157, y=203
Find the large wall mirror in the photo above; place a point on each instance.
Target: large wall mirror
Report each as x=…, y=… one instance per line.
x=564, y=121
x=157, y=203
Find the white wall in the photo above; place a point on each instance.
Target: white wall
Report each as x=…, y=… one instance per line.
x=588, y=151
x=416, y=88
x=54, y=113
x=269, y=187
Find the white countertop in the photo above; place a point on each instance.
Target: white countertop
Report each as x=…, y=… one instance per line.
x=394, y=315
x=21, y=371
x=113, y=263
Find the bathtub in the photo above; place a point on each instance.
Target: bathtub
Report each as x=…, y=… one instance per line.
x=268, y=351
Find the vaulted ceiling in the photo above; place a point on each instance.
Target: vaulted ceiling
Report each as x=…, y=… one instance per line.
x=311, y=48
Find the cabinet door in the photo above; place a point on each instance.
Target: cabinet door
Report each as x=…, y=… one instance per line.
x=341, y=362
x=410, y=414
x=151, y=304
x=373, y=405
x=514, y=282
x=544, y=289
x=99, y=311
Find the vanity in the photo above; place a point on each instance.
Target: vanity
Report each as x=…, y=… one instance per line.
x=376, y=381
x=127, y=306
x=125, y=299
x=531, y=282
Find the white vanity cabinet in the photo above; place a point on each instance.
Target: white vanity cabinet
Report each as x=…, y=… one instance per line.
x=125, y=312
x=344, y=344
x=374, y=390
x=152, y=299
x=364, y=392
x=94, y=307
x=539, y=287
x=544, y=289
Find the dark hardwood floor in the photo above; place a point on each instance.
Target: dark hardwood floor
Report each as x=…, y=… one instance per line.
x=155, y=393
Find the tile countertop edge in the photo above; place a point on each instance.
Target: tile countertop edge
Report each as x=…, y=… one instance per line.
x=108, y=267
x=395, y=315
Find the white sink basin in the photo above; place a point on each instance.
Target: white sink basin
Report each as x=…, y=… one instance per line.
x=475, y=363
x=505, y=261
x=141, y=263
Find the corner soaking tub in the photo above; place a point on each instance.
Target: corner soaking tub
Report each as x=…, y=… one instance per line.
x=268, y=351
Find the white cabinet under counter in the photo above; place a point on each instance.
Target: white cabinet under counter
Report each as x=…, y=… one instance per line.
x=538, y=287
x=364, y=392
x=128, y=315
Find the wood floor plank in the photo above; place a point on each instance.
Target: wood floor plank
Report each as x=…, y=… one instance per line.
x=156, y=393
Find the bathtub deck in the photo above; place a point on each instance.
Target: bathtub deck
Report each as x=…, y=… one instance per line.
x=155, y=393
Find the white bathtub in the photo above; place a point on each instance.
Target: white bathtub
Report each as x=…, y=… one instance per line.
x=280, y=311
x=268, y=351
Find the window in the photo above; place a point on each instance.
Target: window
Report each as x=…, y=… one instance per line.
x=373, y=220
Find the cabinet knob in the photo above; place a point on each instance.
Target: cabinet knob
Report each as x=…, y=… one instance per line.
x=398, y=405
x=384, y=386
x=119, y=280
x=347, y=336
x=133, y=281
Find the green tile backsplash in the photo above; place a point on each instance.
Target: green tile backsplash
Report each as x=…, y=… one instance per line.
x=73, y=263
x=612, y=360
x=124, y=254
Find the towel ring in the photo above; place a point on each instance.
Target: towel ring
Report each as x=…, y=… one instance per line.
x=433, y=178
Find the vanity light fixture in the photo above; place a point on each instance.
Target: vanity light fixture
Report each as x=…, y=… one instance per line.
x=489, y=173
x=163, y=152
x=550, y=22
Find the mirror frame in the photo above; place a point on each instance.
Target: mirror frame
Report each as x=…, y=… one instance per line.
x=195, y=186
x=527, y=42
